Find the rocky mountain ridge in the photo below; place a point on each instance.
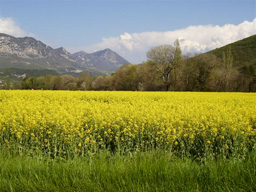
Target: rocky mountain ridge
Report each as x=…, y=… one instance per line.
x=27, y=52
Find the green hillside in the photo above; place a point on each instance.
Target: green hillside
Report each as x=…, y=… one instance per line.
x=243, y=51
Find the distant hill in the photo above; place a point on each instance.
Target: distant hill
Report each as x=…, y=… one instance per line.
x=29, y=53
x=243, y=51
x=105, y=59
x=17, y=74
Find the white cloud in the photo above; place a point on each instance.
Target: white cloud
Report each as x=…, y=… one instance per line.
x=199, y=38
x=8, y=26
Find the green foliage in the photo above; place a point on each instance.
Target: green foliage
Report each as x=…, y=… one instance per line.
x=243, y=52
x=202, y=68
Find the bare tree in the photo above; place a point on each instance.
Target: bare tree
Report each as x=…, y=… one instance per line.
x=166, y=59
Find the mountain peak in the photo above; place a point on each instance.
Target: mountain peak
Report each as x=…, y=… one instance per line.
x=104, y=51
x=79, y=53
x=62, y=51
x=107, y=49
x=103, y=59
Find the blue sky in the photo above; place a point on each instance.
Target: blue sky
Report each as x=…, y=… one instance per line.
x=82, y=24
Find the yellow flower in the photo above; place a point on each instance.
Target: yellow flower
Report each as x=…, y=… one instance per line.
x=71, y=119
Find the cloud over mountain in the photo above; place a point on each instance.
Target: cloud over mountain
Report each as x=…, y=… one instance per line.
x=8, y=26
x=199, y=38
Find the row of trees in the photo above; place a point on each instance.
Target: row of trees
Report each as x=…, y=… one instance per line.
x=165, y=70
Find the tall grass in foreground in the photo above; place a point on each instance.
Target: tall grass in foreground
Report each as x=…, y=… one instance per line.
x=150, y=171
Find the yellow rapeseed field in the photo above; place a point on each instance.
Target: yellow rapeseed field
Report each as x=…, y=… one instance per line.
x=59, y=123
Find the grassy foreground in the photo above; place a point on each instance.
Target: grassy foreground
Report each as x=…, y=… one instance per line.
x=151, y=171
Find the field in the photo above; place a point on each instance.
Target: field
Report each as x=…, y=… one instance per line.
x=196, y=131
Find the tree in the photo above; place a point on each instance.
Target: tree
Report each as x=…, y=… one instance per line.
x=166, y=59
x=56, y=82
x=148, y=78
x=84, y=81
x=8, y=83
x=29, y=83
x=47, y=82
x=101, y=83
x=247, y=78
x=126, y=78
x=68, y=82
x=202, y=67
x=189, y=75
x=176, y=63
x=227, y=68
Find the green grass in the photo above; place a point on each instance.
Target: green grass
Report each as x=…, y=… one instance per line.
x=150, y=171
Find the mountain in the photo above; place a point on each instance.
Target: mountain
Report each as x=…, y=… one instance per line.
x=29, y=53
x=105, y=59
x=243, y=51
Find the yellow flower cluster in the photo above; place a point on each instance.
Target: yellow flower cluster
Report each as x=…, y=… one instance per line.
x=61, y=122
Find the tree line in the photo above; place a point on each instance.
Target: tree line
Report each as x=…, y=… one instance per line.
x=165, y=70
